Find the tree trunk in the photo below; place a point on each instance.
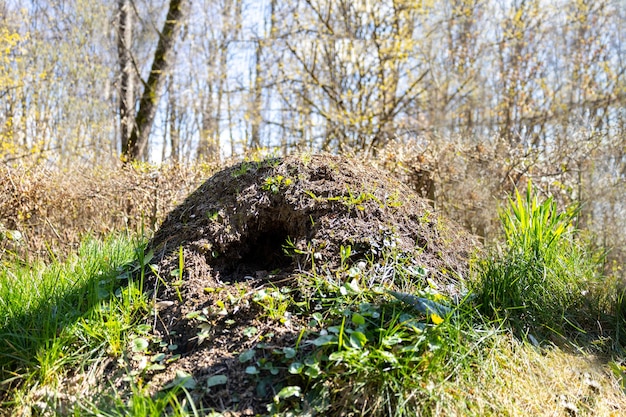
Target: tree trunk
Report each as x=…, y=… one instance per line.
x=127, y=87
x=138, y=141
x=174, y=130
x=209, y=146
x=257, y=97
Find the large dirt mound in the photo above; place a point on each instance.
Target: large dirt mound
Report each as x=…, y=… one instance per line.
x=277, y=215
x=258, y=226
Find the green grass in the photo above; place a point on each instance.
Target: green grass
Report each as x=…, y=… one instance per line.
x=542, y=278
x=62, y=319
x=380, y=338
x=142, y=404
x=367, y=352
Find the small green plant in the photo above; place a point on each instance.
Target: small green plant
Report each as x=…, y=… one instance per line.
x=214, y=215
x=243, y=168
x=275, y=303
x=345, y=252
x=274, y=184
x=394, y=200
x=144, y=404
x=290, y=249
x=356, y=201
x=306, y=158
x=540, y=276
x=272, y=160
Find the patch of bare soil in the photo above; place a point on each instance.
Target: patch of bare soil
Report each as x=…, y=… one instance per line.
x=253, y=226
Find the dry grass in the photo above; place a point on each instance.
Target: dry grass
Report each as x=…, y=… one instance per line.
x=54, y=210
x=522, y=380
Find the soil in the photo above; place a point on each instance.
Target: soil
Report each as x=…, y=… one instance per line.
x=258, y=225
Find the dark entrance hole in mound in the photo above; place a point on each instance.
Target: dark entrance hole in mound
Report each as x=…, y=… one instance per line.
x=263, y=251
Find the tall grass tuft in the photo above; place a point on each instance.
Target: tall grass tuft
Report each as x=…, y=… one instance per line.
x=539, y=277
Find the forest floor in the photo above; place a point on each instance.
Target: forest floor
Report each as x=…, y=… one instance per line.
x=309, y=285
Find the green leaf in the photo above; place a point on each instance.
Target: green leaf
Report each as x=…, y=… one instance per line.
x=147, y=258
x=312, y=371
x=287, y=392
x=391, y=340
x=296, y=368
x=204, y=333
x=252, y=370
x=250, y=331
x=334, y=329
x=289, y=352
x=182, y=379
x=174, y=358
x=358, y=319
x=247, y=356
x=388, y=356
x=326, y=339
x=358, y=340
x=216, y=380
x=139, y=344
x=337, y=356
x=143, y=328
x=158, y=357
x=423, y=305
x=192, y=315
